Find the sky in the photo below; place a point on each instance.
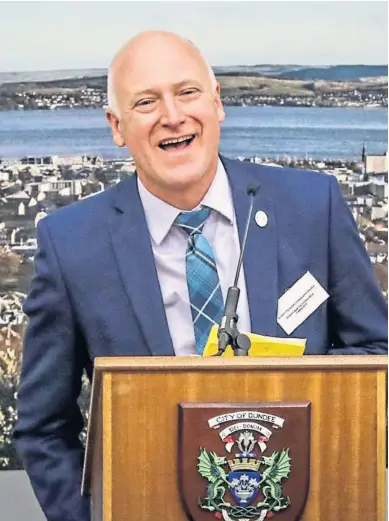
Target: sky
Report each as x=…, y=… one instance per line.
x=77, y=34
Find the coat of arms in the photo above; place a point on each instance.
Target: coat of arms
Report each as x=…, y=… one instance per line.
x=248, y=462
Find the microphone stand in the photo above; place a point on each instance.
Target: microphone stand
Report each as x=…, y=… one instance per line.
x=228, y=331
x=229, y=334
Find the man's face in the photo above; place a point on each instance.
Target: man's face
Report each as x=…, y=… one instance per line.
x=169, y=116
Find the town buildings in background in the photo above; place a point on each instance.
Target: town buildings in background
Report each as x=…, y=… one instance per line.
x=33, y=187
x=51, y=99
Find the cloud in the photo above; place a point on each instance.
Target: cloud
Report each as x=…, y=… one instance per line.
x=56, y=35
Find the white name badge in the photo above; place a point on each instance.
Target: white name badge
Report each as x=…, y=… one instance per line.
x=299, y=302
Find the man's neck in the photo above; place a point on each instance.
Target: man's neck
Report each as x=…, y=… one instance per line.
x=182, y=198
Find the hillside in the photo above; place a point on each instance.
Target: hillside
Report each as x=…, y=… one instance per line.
x=292, y=71
x=237, y=88
x=336, y=73
x=231, y=85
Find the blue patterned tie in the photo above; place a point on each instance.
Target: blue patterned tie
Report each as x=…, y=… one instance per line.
x=206, y=300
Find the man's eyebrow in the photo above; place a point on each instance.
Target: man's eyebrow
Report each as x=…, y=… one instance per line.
x=143, y=93
x=154, y=91
x=185, y=82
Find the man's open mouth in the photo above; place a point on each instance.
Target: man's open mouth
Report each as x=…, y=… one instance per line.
x=178, y=143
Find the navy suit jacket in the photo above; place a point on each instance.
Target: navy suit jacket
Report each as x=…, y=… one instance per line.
x=96, y=293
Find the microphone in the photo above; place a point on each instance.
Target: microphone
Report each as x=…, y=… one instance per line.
x=228, y=334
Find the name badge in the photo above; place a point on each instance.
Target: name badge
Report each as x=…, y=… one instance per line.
x=299, y=302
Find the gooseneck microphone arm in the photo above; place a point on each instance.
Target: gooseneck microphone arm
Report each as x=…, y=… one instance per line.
x=228, y=334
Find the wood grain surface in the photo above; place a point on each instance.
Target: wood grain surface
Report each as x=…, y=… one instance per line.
x=140, y=413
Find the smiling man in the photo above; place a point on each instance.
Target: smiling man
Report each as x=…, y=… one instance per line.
x=168, y=113
x=143, y=268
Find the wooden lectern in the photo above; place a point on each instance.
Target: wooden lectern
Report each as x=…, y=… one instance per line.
x=138, y=467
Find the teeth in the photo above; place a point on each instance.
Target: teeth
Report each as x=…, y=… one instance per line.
x=179, y=140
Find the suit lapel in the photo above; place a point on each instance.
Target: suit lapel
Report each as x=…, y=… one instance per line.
x=132, y=246
x=134, y=255
x=260, y=258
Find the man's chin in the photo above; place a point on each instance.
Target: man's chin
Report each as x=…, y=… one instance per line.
x=182, y=168
x=173, y=161
x=184, y=172
x=181, y=178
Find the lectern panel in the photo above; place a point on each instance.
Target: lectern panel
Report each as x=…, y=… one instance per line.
x=344, y=447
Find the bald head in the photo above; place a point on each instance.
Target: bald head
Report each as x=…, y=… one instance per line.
x=140, y=48
x=165, y=107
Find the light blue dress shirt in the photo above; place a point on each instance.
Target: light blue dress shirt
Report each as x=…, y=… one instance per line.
x=169, y=245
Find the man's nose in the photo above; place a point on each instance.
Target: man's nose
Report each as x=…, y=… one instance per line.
x=172, y=113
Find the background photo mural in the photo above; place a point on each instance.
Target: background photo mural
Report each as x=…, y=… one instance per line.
x=328, y=112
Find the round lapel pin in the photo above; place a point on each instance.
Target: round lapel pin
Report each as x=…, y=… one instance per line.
x=261, y=219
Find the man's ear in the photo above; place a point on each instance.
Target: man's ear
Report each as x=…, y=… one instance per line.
x=115, y=127
x=219, y=105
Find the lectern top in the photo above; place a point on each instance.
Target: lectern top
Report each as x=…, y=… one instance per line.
x=196, y=363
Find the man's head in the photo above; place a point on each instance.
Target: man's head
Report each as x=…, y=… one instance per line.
x=164, y=105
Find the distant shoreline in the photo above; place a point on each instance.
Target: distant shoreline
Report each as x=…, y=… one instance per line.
x=313, y=72
x=63, y=160
x=226, y=104
x=240, y=86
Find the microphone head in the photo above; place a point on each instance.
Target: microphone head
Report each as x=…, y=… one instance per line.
x=252, y=189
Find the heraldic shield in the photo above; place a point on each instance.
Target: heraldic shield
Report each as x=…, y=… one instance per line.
x=244, y=462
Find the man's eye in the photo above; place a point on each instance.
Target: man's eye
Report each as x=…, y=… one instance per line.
x=186, y=92
x=144, y=102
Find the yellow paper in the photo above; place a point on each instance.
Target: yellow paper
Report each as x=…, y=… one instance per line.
x=260, y=345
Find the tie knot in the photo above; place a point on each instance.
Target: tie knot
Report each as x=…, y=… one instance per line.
x=193, y=222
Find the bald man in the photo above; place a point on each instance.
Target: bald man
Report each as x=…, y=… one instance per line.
x=143, y=269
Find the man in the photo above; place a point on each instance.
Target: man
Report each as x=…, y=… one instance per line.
x=114, y=273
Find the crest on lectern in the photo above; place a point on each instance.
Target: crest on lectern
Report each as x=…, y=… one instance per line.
x=244, y=462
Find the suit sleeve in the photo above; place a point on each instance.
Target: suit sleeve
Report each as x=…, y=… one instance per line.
x=46, y=434
x=357, y=308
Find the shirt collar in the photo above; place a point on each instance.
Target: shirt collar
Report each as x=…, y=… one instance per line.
x=160, y=216
x=219, y=196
